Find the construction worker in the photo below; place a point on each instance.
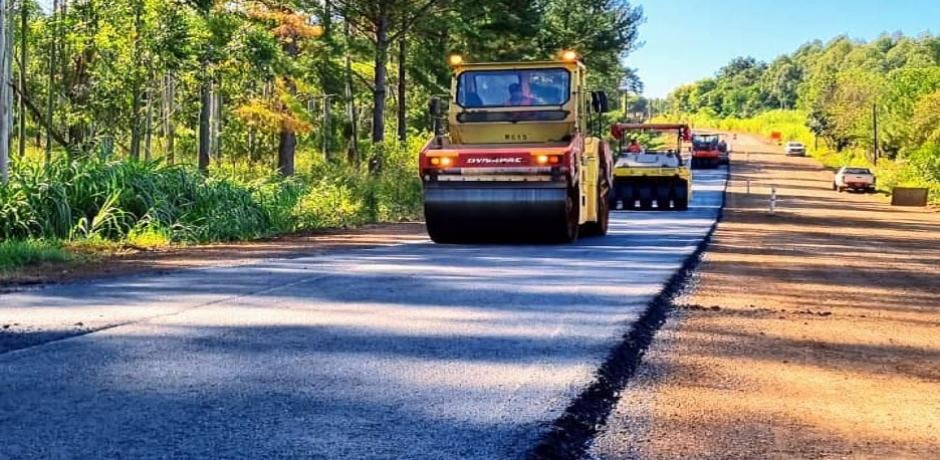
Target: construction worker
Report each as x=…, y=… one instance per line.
x=517, y=97
x=634, y=147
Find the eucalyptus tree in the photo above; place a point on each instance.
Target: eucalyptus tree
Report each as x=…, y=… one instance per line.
x=384, y=22
x=6, y=93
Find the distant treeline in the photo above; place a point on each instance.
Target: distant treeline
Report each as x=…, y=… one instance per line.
x=837, y=84
x=838, y=88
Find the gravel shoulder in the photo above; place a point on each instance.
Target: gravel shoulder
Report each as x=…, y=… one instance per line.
x=811, y=333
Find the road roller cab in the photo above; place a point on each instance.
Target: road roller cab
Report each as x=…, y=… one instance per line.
x=517, y=160
x=655, y=173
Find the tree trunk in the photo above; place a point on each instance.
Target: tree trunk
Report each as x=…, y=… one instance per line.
x=402, y=110
x=136, y=103
x=169, y=128
x=6, y=94
x=252, y=142
x=287, y=147
x=327, y=128
x=217, y=125
x=205, y=98
x=148, y=132
x=53, y=62
x=285, y=152
x=353, y=152
x=135, y=126
x=24, y=48
x=381, y=72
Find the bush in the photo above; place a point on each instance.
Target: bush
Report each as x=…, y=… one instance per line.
x=328, y=204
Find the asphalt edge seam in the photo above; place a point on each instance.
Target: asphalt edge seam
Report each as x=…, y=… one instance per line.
x=149, y=319
x=570, y=435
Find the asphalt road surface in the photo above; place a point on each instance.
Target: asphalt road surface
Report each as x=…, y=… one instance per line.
x=410, y=351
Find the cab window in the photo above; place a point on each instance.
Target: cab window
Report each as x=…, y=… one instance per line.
x=513, y=88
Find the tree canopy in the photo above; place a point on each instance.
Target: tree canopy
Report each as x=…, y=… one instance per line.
x=837, y=84
x=195, y=81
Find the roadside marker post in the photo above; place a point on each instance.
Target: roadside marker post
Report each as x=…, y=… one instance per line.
x=773, y=200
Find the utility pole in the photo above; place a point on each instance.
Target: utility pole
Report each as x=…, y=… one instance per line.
x=874, y=122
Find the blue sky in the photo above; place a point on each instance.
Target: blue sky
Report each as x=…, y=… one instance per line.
x=687, y=40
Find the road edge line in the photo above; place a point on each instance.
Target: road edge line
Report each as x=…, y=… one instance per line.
x=571, y=434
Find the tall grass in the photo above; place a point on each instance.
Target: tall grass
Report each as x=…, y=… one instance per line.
x=152, y=203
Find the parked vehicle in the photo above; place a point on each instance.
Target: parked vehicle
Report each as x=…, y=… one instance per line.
x=856, y=179
x=795, y=149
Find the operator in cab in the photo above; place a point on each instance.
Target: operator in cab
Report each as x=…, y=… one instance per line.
x=635, y=147
x=517, y=97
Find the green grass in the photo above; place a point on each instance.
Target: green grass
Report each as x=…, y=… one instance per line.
x=93, y=200
x=15, y=254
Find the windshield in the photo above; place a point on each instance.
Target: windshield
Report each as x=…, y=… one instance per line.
x=857, y=171
x=513, y=88
x=653, y=142
x=705, y=141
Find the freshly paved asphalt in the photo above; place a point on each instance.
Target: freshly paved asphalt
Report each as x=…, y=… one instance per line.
x=410, y=351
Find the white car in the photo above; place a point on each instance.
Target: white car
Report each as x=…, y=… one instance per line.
x=857, y=179
x=795, y=149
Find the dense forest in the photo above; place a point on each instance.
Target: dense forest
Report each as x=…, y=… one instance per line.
x=836, y=92
x=193, y=120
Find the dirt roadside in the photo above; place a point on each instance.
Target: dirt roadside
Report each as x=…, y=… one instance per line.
x=132, y=262
x=812, y=333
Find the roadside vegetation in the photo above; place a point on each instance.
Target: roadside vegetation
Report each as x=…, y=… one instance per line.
x=827, y=96
x=155, y=122
x=17, y=253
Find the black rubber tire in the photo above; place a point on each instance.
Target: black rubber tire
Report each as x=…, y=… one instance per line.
x=663, y=196
x=680, y=196
x=567, y=231
x=442, y=234
x=645, y=194
x=628, y=195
